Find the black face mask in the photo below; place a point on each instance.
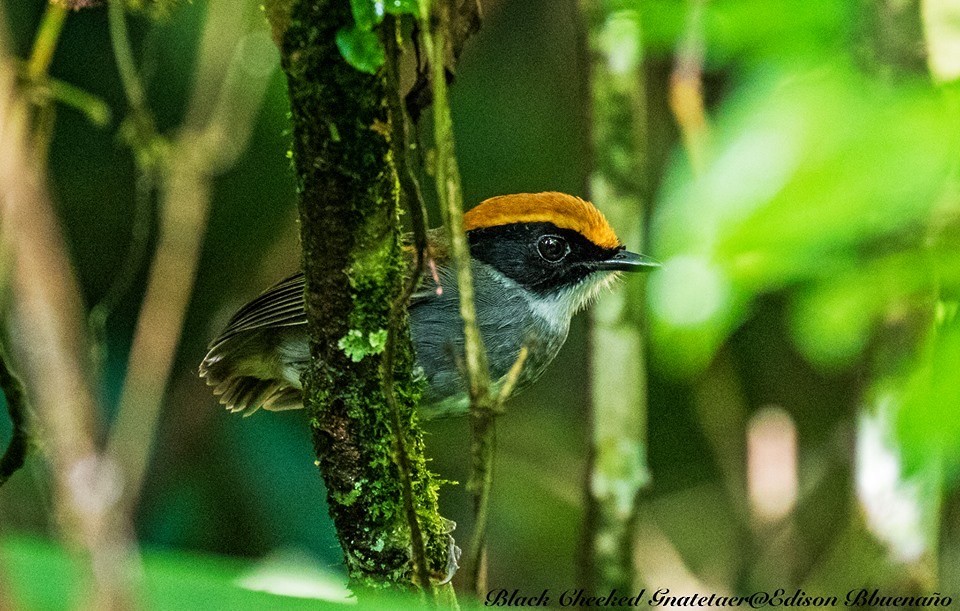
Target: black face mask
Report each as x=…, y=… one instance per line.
x=541, y=256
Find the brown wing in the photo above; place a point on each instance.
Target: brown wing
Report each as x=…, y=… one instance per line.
x=246, y=364
x=243, y=363
x=279, y=306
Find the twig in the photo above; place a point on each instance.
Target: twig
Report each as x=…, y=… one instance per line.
x=210, y=141
x=44, y=89
x=451, y=205
x=54, y=90
x=410, y=194
x=512, y=377
x=149, y=149
x=38, y=65
x=18, y=409
x=123, y=56
x=130, y=266
x=148, y=146
x=434, y=26
x=483, y=448
x=45, y=44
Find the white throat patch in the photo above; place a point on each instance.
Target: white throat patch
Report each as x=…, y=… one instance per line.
x=558, y=309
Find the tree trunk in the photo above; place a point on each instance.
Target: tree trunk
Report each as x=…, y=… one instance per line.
x=350, y=229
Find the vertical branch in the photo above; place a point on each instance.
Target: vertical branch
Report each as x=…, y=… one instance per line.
x=347, y=184
x=617, y=469
x=209, y=143
x=45, y=43
x=123, y=57
x=37, y=68
x=435, y=32
x=47, y=335
x=413, y=199
x=450, y=195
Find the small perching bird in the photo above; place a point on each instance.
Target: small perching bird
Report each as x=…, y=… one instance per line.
x=537, y=259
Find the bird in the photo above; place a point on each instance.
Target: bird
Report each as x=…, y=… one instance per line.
x=537, y=259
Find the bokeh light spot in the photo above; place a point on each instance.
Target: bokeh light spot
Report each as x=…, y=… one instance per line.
x=688, y=291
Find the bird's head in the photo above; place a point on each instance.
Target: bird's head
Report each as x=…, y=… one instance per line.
x=558, y=247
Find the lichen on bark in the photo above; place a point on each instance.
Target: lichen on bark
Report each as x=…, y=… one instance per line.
x=348, y=197
x=617, y=465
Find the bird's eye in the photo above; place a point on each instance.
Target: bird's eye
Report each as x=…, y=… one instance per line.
x=553, y=248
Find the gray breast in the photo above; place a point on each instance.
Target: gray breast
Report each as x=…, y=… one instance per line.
x=506, y=321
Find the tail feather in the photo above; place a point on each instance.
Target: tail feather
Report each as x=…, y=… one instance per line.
x=235, y=369
x=255, y=361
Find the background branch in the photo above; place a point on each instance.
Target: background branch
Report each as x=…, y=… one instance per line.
x=37, y=67
x=211, y=139
x=617, y=469
x=47, y=339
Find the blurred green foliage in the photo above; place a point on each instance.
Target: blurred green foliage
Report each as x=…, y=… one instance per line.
x=832, y=183
x=45, y=577
x=830, y=186
x=825, y=179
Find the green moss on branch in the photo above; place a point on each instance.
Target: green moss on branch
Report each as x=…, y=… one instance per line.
x=350, y=230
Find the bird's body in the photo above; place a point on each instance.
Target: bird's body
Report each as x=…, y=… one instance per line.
x=507, y=319
x=523, y=298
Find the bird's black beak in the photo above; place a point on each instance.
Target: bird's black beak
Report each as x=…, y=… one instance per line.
x=626, y=261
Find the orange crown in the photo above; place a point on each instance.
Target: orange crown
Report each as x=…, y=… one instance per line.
x=564, y=211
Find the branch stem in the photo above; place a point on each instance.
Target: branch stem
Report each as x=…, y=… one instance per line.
x=617, y=468
x=123, y=56
x=411, y=196
x=37, y=69
x=434, y=32
x=483, y=451
x=45, y=44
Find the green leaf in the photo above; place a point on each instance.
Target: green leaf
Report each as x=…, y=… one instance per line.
x=361, y=49
x=810, y=175
x=356, y=345
x=834, y=318
x=753, y=30
x=928, y=424
x=366, y=13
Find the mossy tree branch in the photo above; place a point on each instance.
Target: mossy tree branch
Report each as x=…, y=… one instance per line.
x=617, y=469
x=348, y=192
x=413, y=201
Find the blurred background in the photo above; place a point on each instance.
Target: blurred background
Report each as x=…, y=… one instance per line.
x=803, y=349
